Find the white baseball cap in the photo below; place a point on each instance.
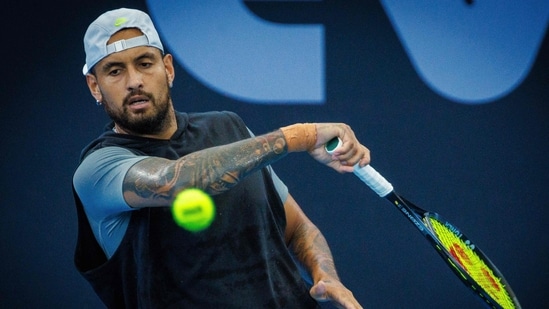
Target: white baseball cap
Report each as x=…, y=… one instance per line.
x=100, y=31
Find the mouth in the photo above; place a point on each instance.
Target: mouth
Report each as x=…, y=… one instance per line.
x=137, y=102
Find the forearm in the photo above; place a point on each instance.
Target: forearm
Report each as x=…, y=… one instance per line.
x=312, y=250
x=155, y=181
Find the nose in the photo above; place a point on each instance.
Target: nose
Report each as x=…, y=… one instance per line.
x=135, y=79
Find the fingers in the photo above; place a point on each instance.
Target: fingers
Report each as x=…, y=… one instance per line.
x=351, y=153
x=340, y=296
x=318, y=291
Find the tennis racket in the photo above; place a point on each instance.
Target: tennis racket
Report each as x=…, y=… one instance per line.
x=463, y=257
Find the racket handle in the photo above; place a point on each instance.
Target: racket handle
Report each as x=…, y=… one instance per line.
x=367, y=174
x=373, y=179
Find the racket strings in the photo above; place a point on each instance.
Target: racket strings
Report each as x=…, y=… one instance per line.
x=473, y=264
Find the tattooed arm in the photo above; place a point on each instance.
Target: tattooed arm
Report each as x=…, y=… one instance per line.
x=155, y=181
x=312, y=251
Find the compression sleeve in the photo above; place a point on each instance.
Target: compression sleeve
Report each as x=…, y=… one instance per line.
x=98, y=183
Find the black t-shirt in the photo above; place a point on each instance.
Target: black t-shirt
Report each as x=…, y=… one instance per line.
x=240, y=261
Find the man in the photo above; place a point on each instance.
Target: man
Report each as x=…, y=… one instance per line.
x=130, y=249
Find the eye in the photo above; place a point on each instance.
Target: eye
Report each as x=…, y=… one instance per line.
x=114, y=72
x=146, y=64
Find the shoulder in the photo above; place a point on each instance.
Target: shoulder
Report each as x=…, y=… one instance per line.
x=98, y=180
x=109, y=154
x=108, y=161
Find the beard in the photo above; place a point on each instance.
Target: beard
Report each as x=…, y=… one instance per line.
x=143, y=123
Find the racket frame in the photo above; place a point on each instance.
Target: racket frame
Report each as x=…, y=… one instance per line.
x=419, y=218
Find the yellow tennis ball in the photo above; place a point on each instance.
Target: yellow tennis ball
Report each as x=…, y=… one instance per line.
x=193, y=210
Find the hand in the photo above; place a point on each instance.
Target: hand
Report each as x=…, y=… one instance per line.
x=347, y=155
x=334, y=291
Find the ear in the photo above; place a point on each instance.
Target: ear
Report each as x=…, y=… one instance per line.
x=168, y=65
x=91, y=80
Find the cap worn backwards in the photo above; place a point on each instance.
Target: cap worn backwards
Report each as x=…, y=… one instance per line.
x=100, y=31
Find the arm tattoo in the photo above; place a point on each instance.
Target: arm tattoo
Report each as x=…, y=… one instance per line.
x=312, y=251
x=155, y=181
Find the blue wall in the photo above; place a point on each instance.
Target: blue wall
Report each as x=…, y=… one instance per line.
x=483, y=164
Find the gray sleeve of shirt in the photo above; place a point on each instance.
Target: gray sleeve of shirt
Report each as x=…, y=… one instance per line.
x=98, y=181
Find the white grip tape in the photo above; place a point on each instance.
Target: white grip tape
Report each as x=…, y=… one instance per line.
x=373, y=179
x=367, y=174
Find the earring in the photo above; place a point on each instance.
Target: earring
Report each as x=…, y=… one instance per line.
x=98, y=103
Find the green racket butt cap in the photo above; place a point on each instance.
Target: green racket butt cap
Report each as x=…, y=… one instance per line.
x=332, y=145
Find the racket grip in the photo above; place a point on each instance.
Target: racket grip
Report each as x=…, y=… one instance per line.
x=367, y=174
x=373, y=179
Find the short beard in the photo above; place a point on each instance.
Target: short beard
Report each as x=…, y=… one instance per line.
x=145, y=125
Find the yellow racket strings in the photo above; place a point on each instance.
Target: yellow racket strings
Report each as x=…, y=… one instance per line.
x=475, y=267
